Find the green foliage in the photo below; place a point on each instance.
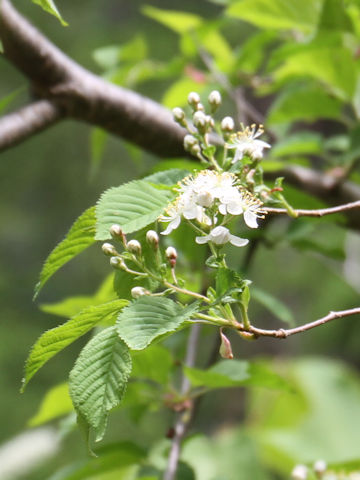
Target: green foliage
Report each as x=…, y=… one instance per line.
x=50, y=7
x=180, y=22
x=98, y=380
x=56, y=403
x=235, y=373
x=53, y=341
x=116, y=206
x=148, y=318
x=80, y=236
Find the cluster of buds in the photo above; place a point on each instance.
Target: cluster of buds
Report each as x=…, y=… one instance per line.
x=133, y=254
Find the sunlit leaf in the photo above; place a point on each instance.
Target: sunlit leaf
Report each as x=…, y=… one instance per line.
x=179, y=22
x=50, y=7
x=80, y=236
x=133, y=206
x=53, y=341
x=57, y=402
x=148, y=318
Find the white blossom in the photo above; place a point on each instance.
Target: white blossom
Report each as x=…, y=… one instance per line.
x=245, y=142
x=221, y=235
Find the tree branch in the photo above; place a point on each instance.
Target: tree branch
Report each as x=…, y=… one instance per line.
x=314, y=213
x=183, y=420
x=283, y=333
x=28, y=121
x=77, y=93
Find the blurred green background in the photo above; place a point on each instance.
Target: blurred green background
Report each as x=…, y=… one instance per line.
x=48, y=181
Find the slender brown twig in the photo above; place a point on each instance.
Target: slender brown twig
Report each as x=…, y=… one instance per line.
x=283, y=333
x=314, y=213
x=183, y=419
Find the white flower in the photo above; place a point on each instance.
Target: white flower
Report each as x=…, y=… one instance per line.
x=220, y=236
x=300, y=472
x=237, y=202
x=245, y=142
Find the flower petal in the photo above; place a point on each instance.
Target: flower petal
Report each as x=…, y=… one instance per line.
x=250, y=219
x=238, y=242
x=202, y=240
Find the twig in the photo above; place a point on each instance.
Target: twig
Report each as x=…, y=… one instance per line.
x=315, y=213
x=283, y=333
x=184, y=418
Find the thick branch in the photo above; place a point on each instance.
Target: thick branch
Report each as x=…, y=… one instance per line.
x=283, y=333
x=84, y=95
x=28, y=121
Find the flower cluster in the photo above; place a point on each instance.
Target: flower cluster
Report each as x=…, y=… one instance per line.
x=207, y=195
x=246, y=142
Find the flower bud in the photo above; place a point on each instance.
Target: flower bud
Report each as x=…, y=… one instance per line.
x=134, y=247
x=200, y=107
x=199, y=120
x=118, y=263
x=189, y=142
x=178, y=113
x=225, y=347
x=227, y=124
x=171, y=255
x=195, y=150
x=193, y=99
x=116, y=231
x=152, y=238
x=300, y=472
x=214, y=99
x=137, y=292
x=320, y=467
x=109, y=249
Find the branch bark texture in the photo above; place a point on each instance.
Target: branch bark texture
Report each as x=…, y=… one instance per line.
x=66, y=89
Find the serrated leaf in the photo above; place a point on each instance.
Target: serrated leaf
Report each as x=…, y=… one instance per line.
x=80, y=236
x=98, y=380
x=167, y=177
x=53, y=341
x=133, y=206
x=57, y=402
x=50, y=7
x=148, y=318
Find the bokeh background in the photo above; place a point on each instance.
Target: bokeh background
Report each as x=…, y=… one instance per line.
x=49, y=180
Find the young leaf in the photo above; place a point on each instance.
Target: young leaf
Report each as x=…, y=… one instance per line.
x=133, y=206
x=179, y=22
x=53, y=341
x=50, y=7
x=150, y=317
x=80, y=236
x=98, y=380
x=167, y=177
x=235, y=373
x=56, y=403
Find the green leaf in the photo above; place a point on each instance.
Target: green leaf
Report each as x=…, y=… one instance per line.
x=133, y=206
x=80, y=236
x=235, y=373
x=98, y=380
x=98, y=139
x=113, y=462
x=304, y=103
x=167, y=177
x=278, y=14
x=53, y=341
x=275, y=306
x=334, y=17
x=333, y=66
x=179, y=22
x=57, y=402
x=155, y=363
x=148, y=318
x=8, y=99
x=176, y=95
x=298, y=143
x=72, y=305
x=50, y=7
